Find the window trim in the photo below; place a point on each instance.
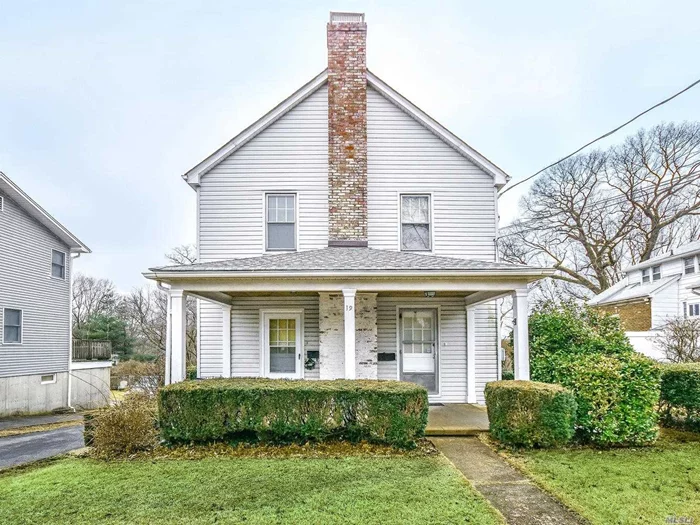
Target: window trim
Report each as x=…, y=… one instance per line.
x=51, y=381
x=21, y=326
x=268, y=194
x=646, y=272
x=431, y=218
x=653, y=273
x=688, y=307
x=694, y=259
x=65, y=265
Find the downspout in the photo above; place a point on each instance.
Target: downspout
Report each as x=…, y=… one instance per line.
x=73, y=256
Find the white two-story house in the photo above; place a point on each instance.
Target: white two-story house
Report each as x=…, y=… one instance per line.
x=653, y=292
x=346, y=234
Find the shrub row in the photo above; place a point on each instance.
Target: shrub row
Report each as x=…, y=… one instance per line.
x=287, y=411
x=530, y=414
x=680, y=395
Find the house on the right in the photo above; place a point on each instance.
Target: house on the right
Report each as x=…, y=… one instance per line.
x=654, y=292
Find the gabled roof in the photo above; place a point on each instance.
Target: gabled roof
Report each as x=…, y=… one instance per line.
x=338, y=260
x=625, y=291
x=193, y=176
x=691, y=248
x=35, y=211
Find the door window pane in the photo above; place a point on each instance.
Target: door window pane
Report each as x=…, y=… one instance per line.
x=283, y=350
x=12, y=326
x=418, y=332
x=281, y=222
x=415, y=222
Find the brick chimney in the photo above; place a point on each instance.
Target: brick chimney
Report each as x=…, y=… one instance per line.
x=347, y=130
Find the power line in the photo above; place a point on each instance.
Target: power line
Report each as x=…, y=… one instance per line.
x=602, y=136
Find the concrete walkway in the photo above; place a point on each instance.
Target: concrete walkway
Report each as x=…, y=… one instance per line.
x=457, y=420
x=32, y=421
x=515, y=496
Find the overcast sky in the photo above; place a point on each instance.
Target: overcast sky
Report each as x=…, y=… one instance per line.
x=103, y=105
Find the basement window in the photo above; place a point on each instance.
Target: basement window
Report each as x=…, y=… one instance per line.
x=48, y=379
x=281, y=222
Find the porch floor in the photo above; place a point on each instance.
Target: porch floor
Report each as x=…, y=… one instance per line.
x=457, y=420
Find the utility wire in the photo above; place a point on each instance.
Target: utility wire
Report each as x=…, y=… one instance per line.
x=602, y=136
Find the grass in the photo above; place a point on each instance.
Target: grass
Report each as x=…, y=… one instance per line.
x=630, y=486
x=254, y=491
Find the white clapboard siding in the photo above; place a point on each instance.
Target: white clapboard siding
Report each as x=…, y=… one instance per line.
x=26, y=284
x=404, y=157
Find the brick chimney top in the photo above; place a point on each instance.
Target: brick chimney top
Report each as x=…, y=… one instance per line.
x=347, y=130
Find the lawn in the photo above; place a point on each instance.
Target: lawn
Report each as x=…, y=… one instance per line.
x=630, y=486
x=226, y=490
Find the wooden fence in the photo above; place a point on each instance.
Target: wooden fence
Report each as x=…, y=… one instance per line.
x=89, y=350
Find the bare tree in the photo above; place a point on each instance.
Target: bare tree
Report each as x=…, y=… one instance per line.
x=591, y=215
x=680, y=340
x=184, y=254
x=92, y=297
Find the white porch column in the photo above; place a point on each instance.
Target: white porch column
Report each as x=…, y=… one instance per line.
x=168, y=339
x=521, y=346
x=179, y=336
x=349, y=316
x=226, y=340
x=471, y=354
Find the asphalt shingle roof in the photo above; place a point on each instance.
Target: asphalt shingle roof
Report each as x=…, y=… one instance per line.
x=344, y=259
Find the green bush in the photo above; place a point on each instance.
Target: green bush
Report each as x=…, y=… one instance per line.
x=616, y=389
x=530, y=414
x=680, y=395
x=287, y=411
x=124, y=428
x=191, y=372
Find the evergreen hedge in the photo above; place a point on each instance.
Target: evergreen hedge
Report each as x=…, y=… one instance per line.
x=293, y=411
x=530, y=414
x=680, y=395
x=586, y=351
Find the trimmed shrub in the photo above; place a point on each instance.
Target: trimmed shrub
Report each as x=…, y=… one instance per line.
x=616, y=388
x=680, y=395
x=289, y=411
x=530, y=414
x=124, y=428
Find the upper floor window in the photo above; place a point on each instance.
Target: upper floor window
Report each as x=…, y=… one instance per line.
x=693, y=309
x=689, y=265
x=58, y=264
x=281, y=222
x=415, y=223
x=12, y=326
x=651, y=274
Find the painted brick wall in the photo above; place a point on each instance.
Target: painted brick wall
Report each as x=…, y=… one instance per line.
x=347, y=132
x=331, y=362
x=635, y=317
x=366, y=336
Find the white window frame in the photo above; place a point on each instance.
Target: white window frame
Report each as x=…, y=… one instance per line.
x=690, y=306
x=431, y=218
x=48, y=382
x=646, y=273
x=695, y=265
x=296, y=220
x=281, y=313
x=21, y=326
x=653, y=273
x=65, y=265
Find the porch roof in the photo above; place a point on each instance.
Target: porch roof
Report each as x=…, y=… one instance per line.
x=342, y=260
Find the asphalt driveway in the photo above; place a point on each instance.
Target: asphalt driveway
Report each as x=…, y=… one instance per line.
x=25, y=448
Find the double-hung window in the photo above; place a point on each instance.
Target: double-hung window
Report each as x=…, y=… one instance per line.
x=281, y=221
x=693, y=309
x=651, y=274
x=689, y=265
x=12, y=326
x=58, y=264
x=415, y=223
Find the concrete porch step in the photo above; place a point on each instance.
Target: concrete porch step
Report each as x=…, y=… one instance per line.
x=456, y=420
x=452, y=431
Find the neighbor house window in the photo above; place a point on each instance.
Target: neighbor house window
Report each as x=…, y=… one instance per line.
x=645, y=275
x=281, y=222
x=415, y=223
x=12, y=326
x=58, y=264
x=689, y=265
x=694, y=310
x=656, y=273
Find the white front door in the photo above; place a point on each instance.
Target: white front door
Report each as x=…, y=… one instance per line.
x=419, y=346
x=282, y=347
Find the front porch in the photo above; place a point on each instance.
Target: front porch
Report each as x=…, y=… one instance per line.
x=353, y=313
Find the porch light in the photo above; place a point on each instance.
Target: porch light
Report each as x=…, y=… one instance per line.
x=429, y=294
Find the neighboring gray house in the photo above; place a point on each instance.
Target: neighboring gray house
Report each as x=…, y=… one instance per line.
x=348, y=234
x=36, y=253
x=653, y=292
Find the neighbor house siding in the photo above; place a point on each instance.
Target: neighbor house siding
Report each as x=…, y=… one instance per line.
x=26, y=284
x=452, y=341
x=289, y=156
x=665, y=305
x=404, y=157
